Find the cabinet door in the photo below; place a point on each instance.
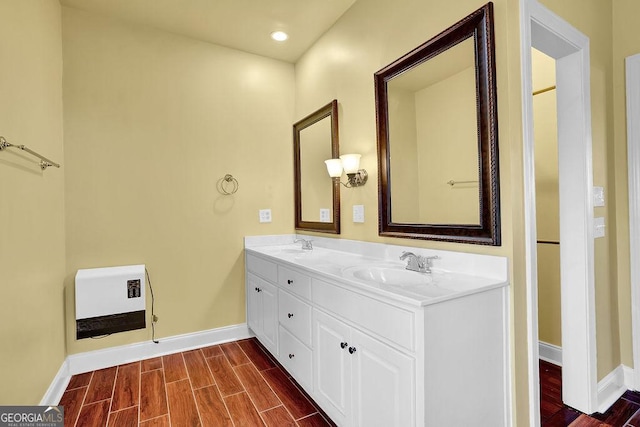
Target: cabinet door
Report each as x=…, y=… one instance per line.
x=269, y=295
x=383, y=384
x=262, y=311
x=254, y=305
x=332, y=366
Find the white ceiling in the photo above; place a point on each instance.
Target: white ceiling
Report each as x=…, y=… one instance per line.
x=240, y=24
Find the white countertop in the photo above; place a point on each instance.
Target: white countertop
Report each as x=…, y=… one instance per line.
x=377, y=269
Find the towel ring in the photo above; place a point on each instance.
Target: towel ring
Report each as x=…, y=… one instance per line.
x=228, y=185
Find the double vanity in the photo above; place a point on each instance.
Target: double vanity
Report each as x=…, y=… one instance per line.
x=376, y=344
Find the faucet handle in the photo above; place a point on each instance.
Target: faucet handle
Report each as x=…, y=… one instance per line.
x=306, y=244
x=428, y=262
x=418, y=263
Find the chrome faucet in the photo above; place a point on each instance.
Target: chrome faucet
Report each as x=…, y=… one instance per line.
x=306, y=244
x=419, y=263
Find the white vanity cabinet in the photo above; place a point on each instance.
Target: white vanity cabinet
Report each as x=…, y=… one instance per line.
x=371, y=357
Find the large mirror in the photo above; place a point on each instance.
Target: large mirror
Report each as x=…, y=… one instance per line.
x=317, y=196
x=437, y=137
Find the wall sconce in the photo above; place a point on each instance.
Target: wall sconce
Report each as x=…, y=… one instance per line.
x=350, y=163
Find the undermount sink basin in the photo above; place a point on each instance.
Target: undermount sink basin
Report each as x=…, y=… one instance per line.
x=396, y=276
x=295, y=251
x=405, y=281
x=303, y=256
x=291, y=250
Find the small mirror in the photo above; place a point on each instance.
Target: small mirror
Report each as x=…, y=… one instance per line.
x=317, y=196
x=437, y=137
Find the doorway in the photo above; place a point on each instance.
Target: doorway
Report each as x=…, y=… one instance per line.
x=545, y=127
x=546, y=32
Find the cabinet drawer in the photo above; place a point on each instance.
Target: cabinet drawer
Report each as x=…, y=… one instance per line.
x=295, y=282
x=296, y=358
x=387, y=321
x=295, y=316
x=263, y=268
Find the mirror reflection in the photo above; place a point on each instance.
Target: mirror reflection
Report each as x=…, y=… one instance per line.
x=433, y=150
x=315, y=187
x=317, y=197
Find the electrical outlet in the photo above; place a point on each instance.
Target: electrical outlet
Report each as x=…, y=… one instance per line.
x=358, y=213
x=265, y=215
x=598, y=227
x=598, y=196
x=325, y=215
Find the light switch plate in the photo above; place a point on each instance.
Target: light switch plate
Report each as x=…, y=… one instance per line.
x=598, y=227
x=358, y=213
x=325, y=215
x=265, y=215
x=598, y=196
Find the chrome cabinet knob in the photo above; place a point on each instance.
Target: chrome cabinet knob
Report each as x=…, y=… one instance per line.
x=343, y=345
x=290, y=315
x=291, y=356
x=352, y=350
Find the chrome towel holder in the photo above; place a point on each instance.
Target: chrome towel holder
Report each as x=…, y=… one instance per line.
x=452, y=182
x=44, y=162
x=227, y=185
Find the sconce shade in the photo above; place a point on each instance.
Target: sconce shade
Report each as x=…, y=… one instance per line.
x=350, y=162
x=334, y=167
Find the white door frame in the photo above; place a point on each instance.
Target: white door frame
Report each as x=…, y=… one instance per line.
x=633, y=156
x=545, y=31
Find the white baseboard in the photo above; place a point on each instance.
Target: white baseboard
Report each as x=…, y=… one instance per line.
x=57, y=386
x=629, y=378
x=610, y=388
x=99, y=359
x=550, y=353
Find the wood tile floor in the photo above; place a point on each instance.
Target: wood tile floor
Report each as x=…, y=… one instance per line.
x=232, y=384
x=553, y=413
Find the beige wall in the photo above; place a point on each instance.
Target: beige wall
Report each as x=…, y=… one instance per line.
x=626, y=42
x=152, y=121
x=341, y=65
x=32, y=243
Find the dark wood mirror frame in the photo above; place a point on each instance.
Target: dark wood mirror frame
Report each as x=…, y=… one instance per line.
x=329, y=110
x=479, y=26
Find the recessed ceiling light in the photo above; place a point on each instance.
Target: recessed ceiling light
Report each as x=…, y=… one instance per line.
x=279, y=36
